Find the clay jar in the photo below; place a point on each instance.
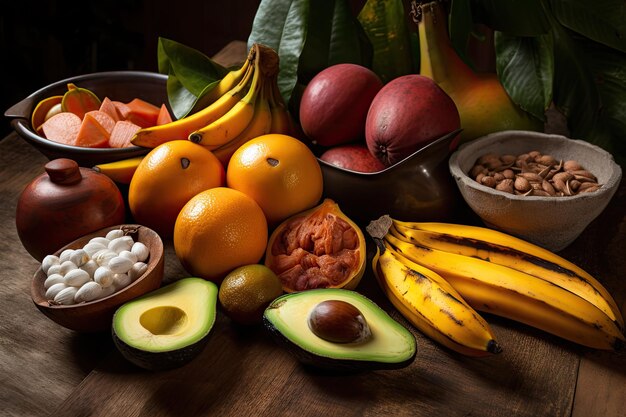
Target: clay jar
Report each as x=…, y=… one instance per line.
x=63, y=204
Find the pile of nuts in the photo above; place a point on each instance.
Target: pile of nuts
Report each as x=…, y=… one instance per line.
x=533, y=174
x=102, y=267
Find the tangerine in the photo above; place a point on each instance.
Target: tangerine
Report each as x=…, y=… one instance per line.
x=167, y=177
x=219, y=230
x=279, y=172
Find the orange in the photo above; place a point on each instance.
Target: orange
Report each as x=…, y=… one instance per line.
x=279, y=172
x=217, y=231
x=167, y=177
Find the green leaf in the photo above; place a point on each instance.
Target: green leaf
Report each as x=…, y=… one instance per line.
x=602, y=21
x=515, y=17
x=525, y=67
x=334, y=36
x=181, y=100
x=384, y=22
x=282, y=25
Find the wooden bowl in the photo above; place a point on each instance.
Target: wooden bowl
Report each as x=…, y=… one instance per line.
x=96, y=316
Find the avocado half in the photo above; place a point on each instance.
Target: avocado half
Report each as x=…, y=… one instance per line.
x=168, y=327
x=391, y=346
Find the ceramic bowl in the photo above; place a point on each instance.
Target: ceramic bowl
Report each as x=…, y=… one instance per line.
x=418, y=188
x=117, y=85
x=551, y=222
x=96, y=316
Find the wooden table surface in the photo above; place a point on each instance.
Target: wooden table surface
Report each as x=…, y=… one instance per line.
x=48, y=370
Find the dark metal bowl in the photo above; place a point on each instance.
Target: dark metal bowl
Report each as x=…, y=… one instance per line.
x=117, y=85
x=418, y=188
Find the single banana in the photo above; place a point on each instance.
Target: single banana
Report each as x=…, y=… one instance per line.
x=231, y=124
x=281, y=119
x=260, y=125
x=502, y=249
x=518, y=296
x=180, y=129
x=432, y=305
x=120, y=171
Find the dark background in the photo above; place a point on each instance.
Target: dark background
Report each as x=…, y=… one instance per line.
x=45, y=41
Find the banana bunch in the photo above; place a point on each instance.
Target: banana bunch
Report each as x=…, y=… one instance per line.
x=246, y=104
x=500, y=274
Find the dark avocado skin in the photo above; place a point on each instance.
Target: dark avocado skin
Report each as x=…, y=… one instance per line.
x=160, y=361
x=329, y=364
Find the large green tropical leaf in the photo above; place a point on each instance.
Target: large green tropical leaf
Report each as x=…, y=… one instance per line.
x=282, y=25
x=384, y=22
x=515, y=17
x=602, y=21
x=460, y=26
x=525, y=67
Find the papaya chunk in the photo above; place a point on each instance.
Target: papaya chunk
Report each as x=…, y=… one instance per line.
x=109, y=108
x=103, y=118
x=122, y=110
x=62, y=128
x=142, y=113
x=79, y=101
x=122, y=133
x=164, y=116
x=92, y=134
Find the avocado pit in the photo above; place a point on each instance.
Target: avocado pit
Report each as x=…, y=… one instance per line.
x=339, y=322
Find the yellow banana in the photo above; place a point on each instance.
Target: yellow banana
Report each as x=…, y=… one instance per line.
x=518, y=296
x=432, y=305
x=120, y=171
x=180, y=129
x=260, y=125
x=226, y=128
x=502, y=249
x=281, y=122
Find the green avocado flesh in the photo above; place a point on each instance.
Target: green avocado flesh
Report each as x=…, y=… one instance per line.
x=390, y=345
x=168, y=326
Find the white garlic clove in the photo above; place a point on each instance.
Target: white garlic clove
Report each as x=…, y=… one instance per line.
x=66, y=296
x=101, y=240
x=92, y=247
x=141, y=251
x=114, y=234
x=138, y=269
x=49, y=261
x=54, y=269
x=66, y=267
x=121, y=281
x=90, y=267
x=104, y=256
x=88, y=292
x=120, y=265
x=65, y=255
x=128, y=255
x=54, y=290
x=121, y=244
x=103, y=276
x=106, y=291
x=79, y=257
x=53, y=279
x=76, y=278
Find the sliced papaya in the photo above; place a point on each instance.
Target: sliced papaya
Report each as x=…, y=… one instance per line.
x=122, y=110
x=164, y=116
x=103, y=118
x=318, y=248
x=142, y=113
x=62, y=128
x=92, y=134
x=79, y=101
x=122, y=133
x=40, y=114
x=109, y=108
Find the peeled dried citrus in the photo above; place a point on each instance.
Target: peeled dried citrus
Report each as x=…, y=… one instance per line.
x=318, y=248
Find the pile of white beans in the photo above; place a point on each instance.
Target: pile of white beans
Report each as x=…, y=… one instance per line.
x=102, y=267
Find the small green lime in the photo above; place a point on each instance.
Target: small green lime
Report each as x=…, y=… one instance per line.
x=247, y=291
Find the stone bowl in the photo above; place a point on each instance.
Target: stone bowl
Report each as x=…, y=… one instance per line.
x=97, y=315
x=550, y=222
x=117, y=85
